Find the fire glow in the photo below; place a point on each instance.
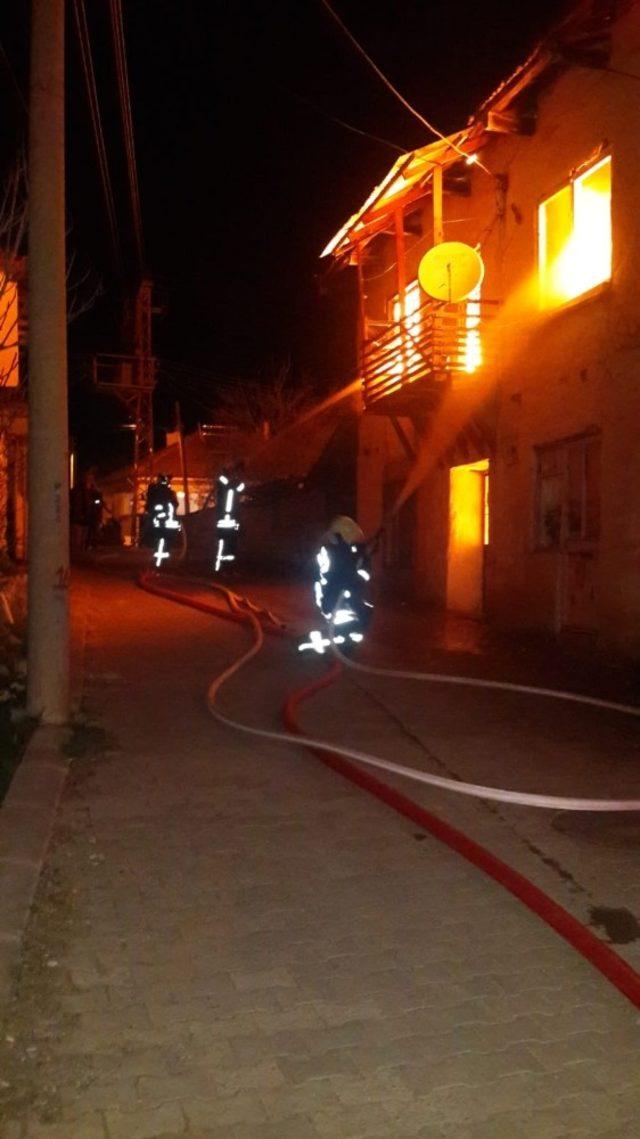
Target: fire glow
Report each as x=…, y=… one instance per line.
x=575, y=242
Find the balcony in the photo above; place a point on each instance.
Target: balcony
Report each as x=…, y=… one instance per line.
x=408, y=360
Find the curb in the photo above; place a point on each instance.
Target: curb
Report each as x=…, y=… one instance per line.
x=27, y=817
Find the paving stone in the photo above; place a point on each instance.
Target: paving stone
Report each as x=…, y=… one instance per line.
x=276, y=1046
x=223, y=1132
x=265, y=951
x=265, y=979
x=331, y=1063
x=309, y=1098
x=244, y=1109
x=146, y=1123
x=89, y=1126
x=344, y=1122
x=296, y=1127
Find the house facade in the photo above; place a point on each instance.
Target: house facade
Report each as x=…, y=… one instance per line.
x=204, y=453
x=499, y=449
x=296, y=479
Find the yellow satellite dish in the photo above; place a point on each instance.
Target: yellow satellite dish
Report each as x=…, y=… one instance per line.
x=450, y=271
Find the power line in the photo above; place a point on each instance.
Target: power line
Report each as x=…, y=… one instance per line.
x=387, y=82
x=340, y=122
x=201, y=373
x=127, y=122
x=610, y=70
x=82, y=29
x=14, y=79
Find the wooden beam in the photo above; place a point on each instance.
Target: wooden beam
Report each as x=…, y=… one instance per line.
x=401, y=265
x=362, y=316
x=438, y=224
x=404, y=439
x=509, y=122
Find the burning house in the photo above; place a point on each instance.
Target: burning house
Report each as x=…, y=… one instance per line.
x=499, y=445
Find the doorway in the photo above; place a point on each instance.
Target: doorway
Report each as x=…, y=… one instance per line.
x=399, y=542
x=468, y=537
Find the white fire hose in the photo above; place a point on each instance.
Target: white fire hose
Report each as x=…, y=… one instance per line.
x=496, y=794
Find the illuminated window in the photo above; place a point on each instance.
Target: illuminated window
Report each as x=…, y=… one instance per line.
x=411, y=306
x=472, y=355
x=574, y=236
x=411, y=319
x=9, y=362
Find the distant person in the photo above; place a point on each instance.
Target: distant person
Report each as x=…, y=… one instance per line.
x=94, y=506
x=80, y=499
x=112, y=533
x=341, y=587
x=161, y=524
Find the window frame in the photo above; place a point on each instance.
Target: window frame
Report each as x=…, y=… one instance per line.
x=575, y=175
x=589, y=534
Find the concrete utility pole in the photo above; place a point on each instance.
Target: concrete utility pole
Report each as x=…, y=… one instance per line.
x=48, y=620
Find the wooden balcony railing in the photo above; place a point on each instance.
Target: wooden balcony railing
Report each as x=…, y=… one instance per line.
x=429, y=345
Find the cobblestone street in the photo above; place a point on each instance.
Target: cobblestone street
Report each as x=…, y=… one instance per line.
x=230, y=941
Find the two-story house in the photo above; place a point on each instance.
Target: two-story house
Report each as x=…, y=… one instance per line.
x=500, y=446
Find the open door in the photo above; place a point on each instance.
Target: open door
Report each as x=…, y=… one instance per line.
x=468, y=537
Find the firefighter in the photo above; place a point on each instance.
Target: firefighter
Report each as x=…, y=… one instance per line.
x=230, y=486
x=94, y=510
x=161, y=525
x=341, y=587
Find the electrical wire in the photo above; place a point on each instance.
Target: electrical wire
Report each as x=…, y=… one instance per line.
x=387, y=82
x=84, y=41
x=341, y=122
x=14, y=79
x=198, y=372
x=484, y=236
x=117, y=26
x=179, y=388
x=610, y=70
x=192, y=383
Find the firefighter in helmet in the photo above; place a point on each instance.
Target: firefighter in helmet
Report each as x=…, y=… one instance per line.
x=229, y=487
x=341, y=587
x=161, y=524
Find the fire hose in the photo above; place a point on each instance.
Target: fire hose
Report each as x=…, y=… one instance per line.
x=243, y=611
x=599, y=954
x=478, y=682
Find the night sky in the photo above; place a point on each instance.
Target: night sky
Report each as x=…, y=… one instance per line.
x=243, y=178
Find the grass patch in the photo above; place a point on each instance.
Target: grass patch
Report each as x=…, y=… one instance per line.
x=15, y=729
x=15, y=726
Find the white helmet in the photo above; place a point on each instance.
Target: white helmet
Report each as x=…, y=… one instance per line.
x=348, y=530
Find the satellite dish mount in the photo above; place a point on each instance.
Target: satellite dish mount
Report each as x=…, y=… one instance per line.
x=450, y=271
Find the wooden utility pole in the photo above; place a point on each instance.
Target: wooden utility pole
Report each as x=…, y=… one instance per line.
x=183, y=460
x=48, y=618
x=132, y=380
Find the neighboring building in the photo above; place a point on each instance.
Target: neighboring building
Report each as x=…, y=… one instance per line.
x=517, y=411
x=13, y=410
x=206, y=451
x=296, y=481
